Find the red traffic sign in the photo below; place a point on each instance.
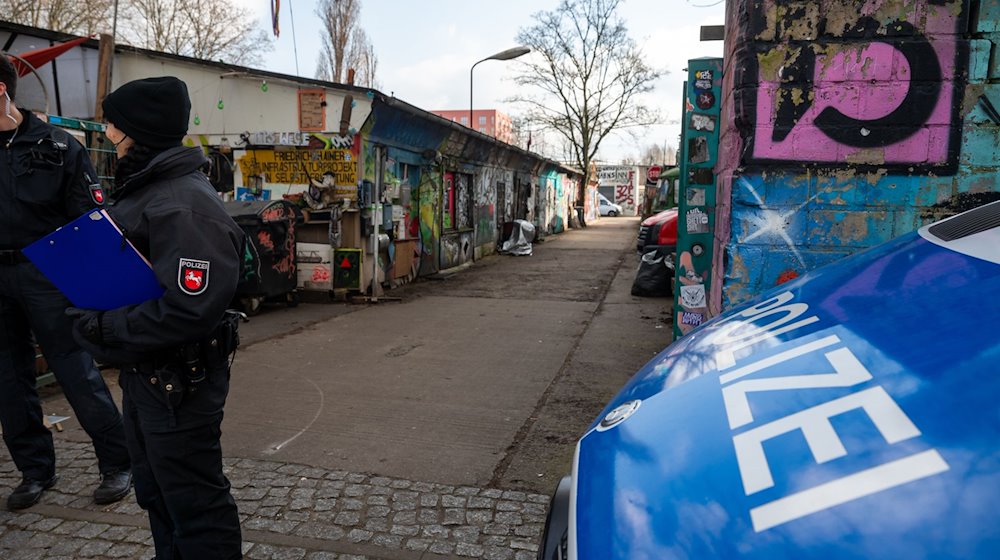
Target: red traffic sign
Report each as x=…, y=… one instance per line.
x=653, y=174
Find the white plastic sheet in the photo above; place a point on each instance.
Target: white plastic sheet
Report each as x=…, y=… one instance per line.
x=519, y=242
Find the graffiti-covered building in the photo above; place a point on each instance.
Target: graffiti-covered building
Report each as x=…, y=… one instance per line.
x=846, y=124
x=390, y=190
x=625, y=185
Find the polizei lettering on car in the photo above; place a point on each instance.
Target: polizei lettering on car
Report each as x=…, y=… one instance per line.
x=849, y=413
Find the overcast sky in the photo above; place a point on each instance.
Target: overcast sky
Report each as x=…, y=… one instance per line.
x=425, y=49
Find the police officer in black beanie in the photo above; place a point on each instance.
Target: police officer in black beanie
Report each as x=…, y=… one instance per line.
x=173, y=351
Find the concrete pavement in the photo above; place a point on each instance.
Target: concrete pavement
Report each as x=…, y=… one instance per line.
x=430, y=428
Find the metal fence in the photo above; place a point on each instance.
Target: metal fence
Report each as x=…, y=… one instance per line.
x=91, y=135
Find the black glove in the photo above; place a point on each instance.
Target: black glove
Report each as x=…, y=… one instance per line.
x=87, y=323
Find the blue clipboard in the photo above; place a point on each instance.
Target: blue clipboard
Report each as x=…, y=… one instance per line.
x=91, y=262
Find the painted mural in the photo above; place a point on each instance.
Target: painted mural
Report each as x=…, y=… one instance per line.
x=555, y=203
x=490, y=186
x=846, y=124
x=428, y=226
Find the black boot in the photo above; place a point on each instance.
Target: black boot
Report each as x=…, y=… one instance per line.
x=114, y=486
x=29, y=492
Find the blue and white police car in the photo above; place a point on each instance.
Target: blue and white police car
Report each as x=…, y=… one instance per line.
x=851, y=413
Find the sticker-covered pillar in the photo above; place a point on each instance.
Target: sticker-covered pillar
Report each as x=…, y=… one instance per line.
x=696, y=220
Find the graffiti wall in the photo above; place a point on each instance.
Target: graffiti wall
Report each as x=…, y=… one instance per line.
x=463, y=195
x=456, y=250
x=565, y=195
x=622, y=179
x=428, y=226
x=554, y=212
x=847, y=123
x=492, y=186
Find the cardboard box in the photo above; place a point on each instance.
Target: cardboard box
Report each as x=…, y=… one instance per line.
x=404, y=258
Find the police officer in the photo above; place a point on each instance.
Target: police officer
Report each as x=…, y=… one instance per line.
x=174, y=350
x=46, y=181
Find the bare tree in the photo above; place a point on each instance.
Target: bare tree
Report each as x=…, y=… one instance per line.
x=339, y=19
x=77, y=17
x=344, y=44
x=361, y=56
x=589, y=79
x=158, y=25
x=205, y=29
x=654, y=154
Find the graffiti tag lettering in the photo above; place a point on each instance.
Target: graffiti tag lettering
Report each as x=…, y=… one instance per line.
x=871, y=90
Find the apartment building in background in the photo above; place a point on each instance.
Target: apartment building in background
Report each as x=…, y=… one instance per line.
x=488, y=121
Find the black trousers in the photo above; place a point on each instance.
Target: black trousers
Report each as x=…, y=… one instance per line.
x=177, y=465
x=30, y=304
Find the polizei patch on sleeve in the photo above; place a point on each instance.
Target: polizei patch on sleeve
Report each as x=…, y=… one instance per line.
x=192, y=276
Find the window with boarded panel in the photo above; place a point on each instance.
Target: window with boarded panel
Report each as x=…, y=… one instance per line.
x=312, y=110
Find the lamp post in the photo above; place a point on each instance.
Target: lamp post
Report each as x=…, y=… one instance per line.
x=502, y=55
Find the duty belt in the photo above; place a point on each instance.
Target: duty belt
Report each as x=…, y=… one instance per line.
x=12, y=256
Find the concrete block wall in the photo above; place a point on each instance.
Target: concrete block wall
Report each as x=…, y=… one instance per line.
x=848, y=123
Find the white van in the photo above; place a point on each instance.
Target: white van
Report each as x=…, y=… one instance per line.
x=606, y=207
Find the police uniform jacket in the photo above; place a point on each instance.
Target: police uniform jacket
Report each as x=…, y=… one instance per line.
x=46, y=181
x=173, y=216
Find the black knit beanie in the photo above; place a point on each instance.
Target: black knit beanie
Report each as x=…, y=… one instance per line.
x=153, y=111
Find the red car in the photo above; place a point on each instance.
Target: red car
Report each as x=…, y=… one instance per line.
x=658, y=231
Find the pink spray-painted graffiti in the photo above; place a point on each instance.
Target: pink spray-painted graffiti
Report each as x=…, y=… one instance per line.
x=286, y=264
x=264, y=240
x=274, y=214
x=873, y=90
x=321, y=274
x=623, y=195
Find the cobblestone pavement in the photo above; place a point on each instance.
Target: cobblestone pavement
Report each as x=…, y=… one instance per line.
x=288, y=511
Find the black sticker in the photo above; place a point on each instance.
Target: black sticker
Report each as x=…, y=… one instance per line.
x=701, y=176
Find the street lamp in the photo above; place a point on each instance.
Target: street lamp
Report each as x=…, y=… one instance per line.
x=502, y=55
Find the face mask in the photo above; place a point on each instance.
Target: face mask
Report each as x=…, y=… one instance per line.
x=6, y=109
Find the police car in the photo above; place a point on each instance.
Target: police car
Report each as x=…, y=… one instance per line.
x=851, y=413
